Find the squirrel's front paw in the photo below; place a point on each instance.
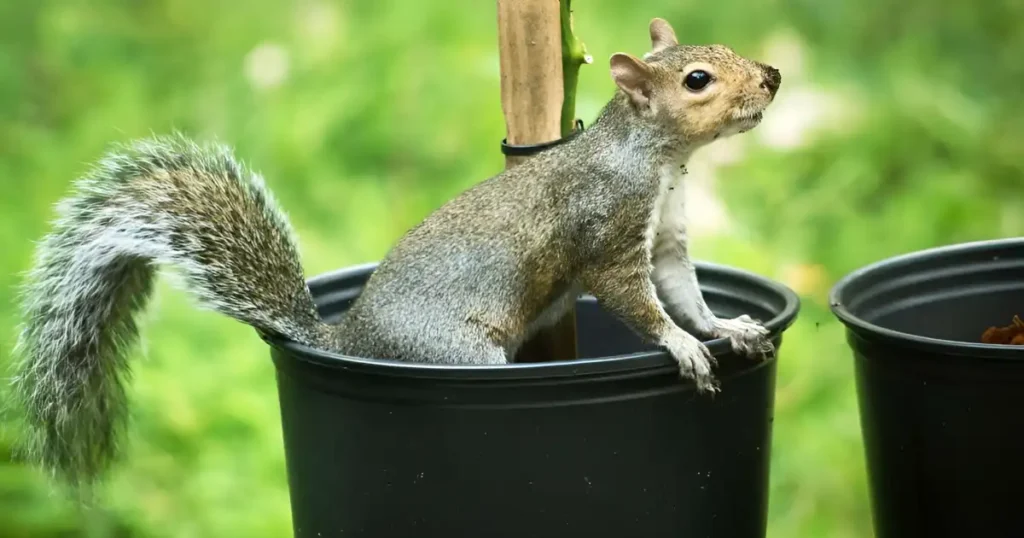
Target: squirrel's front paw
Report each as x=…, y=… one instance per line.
x=748, y=337
x=695, y=361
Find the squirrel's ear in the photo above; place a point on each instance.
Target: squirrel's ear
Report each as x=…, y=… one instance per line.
x=632, y=76
x=662, y=35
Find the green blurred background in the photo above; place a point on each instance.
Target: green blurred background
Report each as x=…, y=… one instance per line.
x=898, y=127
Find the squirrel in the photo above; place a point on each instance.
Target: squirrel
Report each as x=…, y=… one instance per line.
x=601, y=213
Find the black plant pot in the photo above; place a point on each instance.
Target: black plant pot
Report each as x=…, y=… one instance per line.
x=615, y=444
x=942, y=414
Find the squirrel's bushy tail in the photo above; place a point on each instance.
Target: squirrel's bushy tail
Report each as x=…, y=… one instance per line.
x=162, y=201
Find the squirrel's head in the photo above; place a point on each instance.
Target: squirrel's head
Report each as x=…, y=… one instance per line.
x=703, y=92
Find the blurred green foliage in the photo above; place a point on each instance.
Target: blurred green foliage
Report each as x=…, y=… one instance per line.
x=364, y=116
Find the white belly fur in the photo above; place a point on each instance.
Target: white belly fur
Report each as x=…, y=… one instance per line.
x=669, y=252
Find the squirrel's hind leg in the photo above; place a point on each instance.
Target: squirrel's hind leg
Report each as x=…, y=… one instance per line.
x=469, y=347
x=465, y=345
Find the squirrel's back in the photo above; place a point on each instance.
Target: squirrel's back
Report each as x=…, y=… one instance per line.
x=488, y=262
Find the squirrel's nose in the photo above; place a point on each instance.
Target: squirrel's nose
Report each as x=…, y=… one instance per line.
x=771, y=79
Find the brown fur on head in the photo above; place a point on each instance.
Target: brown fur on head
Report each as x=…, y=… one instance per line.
x=703, y=92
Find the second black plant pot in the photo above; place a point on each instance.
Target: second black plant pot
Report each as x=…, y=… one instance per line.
x=613, y=445
x=942, y=414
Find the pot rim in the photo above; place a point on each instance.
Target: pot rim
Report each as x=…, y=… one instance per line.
x=862, y=328
x=640, y=362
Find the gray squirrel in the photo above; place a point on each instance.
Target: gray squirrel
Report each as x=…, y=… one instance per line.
x=601, y=213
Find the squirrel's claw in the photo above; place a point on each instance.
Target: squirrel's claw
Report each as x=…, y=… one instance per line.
x=748, y=337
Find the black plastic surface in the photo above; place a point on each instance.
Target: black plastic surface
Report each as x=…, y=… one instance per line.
x=614, y=445
x=942, y=414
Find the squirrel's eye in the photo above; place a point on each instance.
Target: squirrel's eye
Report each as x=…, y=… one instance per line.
x=697, y=80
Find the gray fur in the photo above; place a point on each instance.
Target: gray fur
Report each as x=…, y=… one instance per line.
x=466, y=286
x=164, y=201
